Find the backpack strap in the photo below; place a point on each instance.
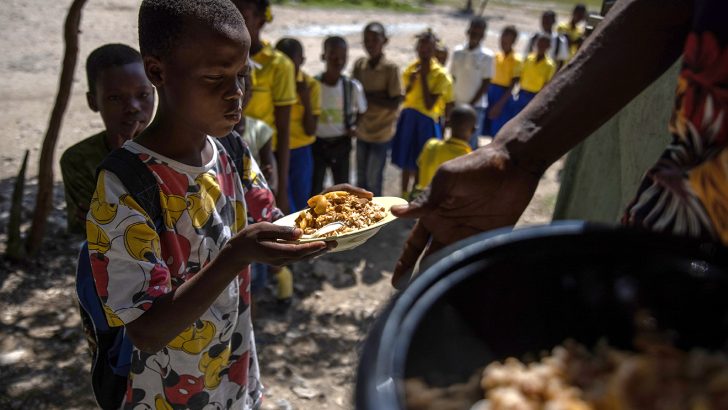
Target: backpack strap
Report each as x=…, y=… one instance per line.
x=347, y=84
x=138, y=181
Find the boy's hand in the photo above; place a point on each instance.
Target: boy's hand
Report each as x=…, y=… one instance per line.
x=354, y=190
x=259, y=243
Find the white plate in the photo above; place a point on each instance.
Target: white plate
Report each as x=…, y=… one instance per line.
x=351, y=239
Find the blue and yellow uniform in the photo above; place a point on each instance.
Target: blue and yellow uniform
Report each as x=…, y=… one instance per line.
x=417, y=123
x=507, y=69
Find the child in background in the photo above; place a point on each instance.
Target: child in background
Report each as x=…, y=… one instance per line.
x=382, y=85
x=304, y=119
x=463, y=121
x=426, y=83
x=573, y=30
x=273, y=87
x=559, y=50
x=342, y=101
x=471, y=69
x=506, y=74
x=118, y=89
x=538, y=69
x=182, y=293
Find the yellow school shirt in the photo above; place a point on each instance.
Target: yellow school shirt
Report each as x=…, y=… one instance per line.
x=299, y=138
x=536, y=73
x=435, y=153
x=273, y=85
x=507, y=67
x=573, y=33
x=439, y=83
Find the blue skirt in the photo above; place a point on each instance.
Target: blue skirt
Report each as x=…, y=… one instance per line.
x=491, y=127
x=413, y=131
x=520, y=102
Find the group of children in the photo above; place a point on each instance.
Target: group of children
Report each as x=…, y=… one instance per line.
x=174, y=268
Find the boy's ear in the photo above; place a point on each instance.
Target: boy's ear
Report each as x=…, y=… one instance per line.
x=92, y=103
x=154, y=69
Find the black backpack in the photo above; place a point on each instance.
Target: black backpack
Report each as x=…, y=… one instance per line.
x=111, y=346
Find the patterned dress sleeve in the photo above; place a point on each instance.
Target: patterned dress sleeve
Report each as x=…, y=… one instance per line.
x=125, y=253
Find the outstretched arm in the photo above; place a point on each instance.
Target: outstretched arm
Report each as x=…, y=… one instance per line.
x=491, y=187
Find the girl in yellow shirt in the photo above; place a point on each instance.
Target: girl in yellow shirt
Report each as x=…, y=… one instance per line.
x=426, y=83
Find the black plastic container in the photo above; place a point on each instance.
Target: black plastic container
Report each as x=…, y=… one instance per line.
x=510, y=293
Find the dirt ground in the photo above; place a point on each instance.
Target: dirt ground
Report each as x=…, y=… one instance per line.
x=308, y=352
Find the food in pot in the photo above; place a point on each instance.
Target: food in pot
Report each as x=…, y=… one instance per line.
x=339, y=206
x=661, y=377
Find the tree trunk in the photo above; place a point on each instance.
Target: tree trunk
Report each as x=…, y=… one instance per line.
x=44, y=200
x=16, y=247
x=469, y=7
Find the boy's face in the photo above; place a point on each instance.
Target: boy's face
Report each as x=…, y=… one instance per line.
x=298, y=59
x=441, y=55
x=425, y=48
x=374, y=43
x=579, y=15
x=506, y=41
x=476, y=34
x=335, y=58
x=125, y=99
x=547, y=23
x=201, y=81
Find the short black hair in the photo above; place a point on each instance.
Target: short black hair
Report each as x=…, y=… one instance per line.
x=334, y=41
x=289, y=46
x=162, y=22
x=580, y=7
x=428, y=35
x=107, y=56
x=510, y=29
x=549, y=13
x=463, y=115
x=479, y=21
x=376, y=27
x=261, y=6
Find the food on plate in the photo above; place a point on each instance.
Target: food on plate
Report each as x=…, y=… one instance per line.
x=339, y=206
x=572, y=377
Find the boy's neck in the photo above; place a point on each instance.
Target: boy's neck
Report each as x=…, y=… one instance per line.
x=188, y=146
x=540, y=56
x=331, y=78
x=472, y=47
x=507, y=51
x=374, y=60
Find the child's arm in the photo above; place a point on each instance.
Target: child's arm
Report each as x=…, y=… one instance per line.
x=497, y=108
x=429, y=98
x=268, y=164
x=310, y=119
x=283, y=153
x=173, y=312
x=483, y=88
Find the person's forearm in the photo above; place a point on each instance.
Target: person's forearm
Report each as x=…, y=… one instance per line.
x=426, y=95
x=383, y=100
x=309, y=120
x=479, y=94
x=283, y=152
x=172, y=313
x=637, y=42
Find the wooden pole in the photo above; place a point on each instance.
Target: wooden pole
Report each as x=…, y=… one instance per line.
x=44, y=199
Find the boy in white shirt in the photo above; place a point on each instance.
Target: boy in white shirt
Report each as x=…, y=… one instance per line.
x=471, y=69
x=342, y=101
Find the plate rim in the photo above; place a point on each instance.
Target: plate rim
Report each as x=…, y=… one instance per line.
x=386, y=220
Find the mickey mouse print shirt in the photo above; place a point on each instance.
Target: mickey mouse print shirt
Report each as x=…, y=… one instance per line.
x=212, y=363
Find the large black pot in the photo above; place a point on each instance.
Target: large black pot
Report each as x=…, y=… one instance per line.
x=510, y=293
